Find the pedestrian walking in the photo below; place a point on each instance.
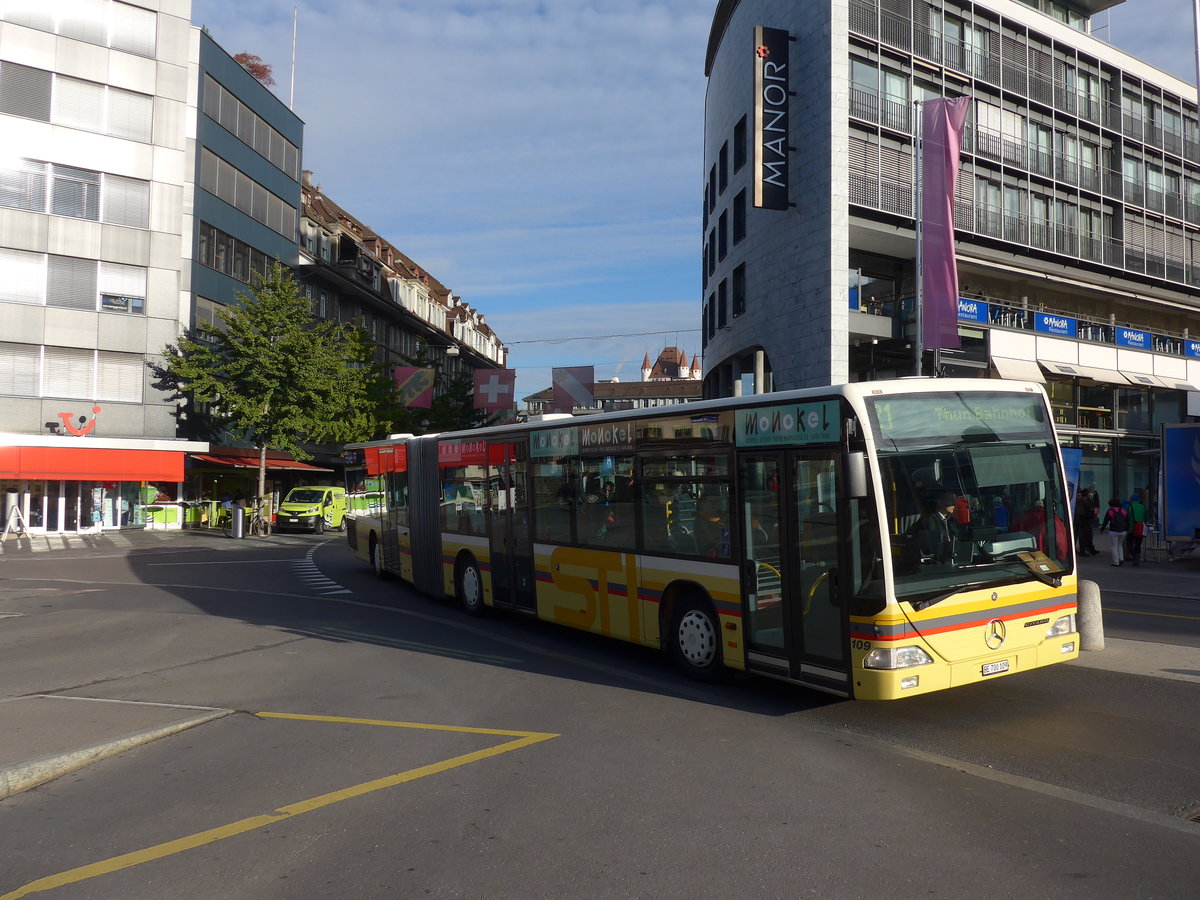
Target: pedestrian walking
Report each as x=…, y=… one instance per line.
x=1085, y=516
x=1116, y=523
x=1137, y=527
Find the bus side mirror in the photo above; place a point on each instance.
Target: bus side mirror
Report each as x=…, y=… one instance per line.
x=856, y=474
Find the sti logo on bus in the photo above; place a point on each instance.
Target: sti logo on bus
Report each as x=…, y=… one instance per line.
x=809, y=423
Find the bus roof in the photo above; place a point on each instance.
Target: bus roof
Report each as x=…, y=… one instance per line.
x=855, y=392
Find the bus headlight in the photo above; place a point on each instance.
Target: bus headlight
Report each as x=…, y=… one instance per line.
x=1063, y=625
x=896, y=658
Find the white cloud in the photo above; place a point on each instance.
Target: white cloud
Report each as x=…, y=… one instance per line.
x=527, y=154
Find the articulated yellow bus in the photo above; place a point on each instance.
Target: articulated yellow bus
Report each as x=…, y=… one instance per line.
x=874, y=540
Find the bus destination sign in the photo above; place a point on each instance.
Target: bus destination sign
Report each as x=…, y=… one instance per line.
x=800, y=423
x=941, y=418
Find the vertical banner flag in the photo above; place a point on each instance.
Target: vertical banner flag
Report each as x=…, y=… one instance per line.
x=941, y=139
x=771, y=94
x=573, y=387
x=495, y=389
x=415, y=387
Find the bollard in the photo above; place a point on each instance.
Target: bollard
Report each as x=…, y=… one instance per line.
x=1090, y=617
x=238, y=529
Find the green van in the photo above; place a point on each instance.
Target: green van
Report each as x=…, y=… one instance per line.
x=313, y=507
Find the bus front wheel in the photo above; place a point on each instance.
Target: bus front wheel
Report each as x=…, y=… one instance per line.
x=470, y=588
x=695, y=640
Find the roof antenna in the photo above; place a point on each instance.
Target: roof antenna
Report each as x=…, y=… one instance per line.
x=292, y=89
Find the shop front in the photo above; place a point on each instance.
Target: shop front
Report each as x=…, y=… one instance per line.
x=65, y=485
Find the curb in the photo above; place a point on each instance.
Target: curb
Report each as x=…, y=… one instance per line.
x=30, y=774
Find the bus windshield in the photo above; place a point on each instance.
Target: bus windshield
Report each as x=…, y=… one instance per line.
x=973, y=492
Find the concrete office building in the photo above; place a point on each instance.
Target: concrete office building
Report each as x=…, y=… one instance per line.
x=1077, y=209
x=94, y=99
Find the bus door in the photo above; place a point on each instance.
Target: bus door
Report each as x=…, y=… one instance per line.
x=795, y=611
x=509, y=535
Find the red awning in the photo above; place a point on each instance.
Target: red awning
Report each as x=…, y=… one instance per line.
x=90, y=464
x=249, y=462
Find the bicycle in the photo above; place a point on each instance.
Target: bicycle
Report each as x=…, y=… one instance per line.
x=255, y=523
x=257, y=526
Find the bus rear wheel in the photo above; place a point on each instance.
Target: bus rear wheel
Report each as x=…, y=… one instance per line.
x=695, y=640
x=470, y=588
x=377, y=560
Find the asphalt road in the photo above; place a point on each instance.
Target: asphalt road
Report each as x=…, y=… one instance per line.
x=387, y=745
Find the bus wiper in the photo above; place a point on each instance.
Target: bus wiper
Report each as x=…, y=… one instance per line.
x=919, y=605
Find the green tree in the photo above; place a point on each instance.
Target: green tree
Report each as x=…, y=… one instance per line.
x=276, y=376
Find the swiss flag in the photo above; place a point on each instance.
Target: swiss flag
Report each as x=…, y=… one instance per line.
x=495, y=389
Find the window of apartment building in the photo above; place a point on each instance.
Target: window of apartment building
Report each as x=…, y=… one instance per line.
x=987, y=207
x=738, y=290
x=230, y=184
x=925, y=90
x=712, y=315
x=723, y=167
x=1041, y=148
x=1132, y=170
x=104, y=22
x=1014, y=224
x=712, y=189
x=722, y=304
x=723, y=235
x=68, y=282
x=1066, y=225
x=225, y=253
x=1132, y=109
x=223, y=107
x=1066, y=153
x=25, y=92
x=739, y=144
x=1089, y=165
x=78, y=193
x=206, y=312
x=712, y=251
x=1091, y=234
x=31, y=370
x=864, y=90
x=1040, y=230
x=739, y=216
x=896, y=110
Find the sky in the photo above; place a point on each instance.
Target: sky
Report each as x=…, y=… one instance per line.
x=543, y=160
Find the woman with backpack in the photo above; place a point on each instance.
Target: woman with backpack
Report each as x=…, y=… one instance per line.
x=1116, y=523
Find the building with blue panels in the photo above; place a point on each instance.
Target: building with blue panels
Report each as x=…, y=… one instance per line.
x=245, y=165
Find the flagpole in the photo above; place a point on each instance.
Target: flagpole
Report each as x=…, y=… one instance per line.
x=1196, y=28
x=919, y=296
x=292, y=89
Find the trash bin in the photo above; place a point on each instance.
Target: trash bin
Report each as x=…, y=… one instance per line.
x=238, y=526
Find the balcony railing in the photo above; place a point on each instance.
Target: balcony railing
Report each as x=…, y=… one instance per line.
x=864, y=18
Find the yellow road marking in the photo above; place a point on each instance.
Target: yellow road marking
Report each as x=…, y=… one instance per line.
x=212, y=835
x=1131, y=612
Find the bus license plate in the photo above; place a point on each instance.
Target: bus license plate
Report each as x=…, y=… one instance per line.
x=293, y=521
x=995, y=668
